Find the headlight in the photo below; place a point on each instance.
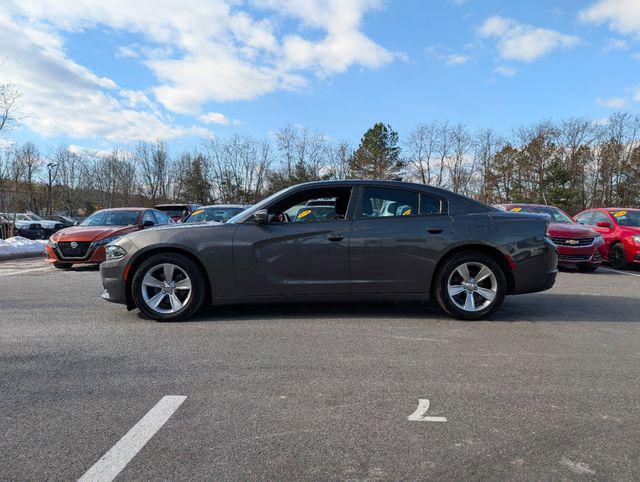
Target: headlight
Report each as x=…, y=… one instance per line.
x=598, y=239
x=52, y=243
x=104, y=241
x=115, y=252
x=636, y=239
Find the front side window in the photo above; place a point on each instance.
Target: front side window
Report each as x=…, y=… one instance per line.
x=584, y=218
x=312, y=205
x=161, y=218
x=380, y=202
x=599, y=217
x=148, y=216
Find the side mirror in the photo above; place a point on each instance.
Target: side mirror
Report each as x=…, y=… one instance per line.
x=148, y=223
x=604, y=224
x=261, y=216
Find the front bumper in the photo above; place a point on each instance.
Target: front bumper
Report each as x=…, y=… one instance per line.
x=94, y=255
x=572, y=256
x=112, y=274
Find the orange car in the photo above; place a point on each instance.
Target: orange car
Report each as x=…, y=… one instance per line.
x=84, y=244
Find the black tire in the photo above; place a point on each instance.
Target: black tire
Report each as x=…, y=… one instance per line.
x=587, y=268
x=617, y=256
x=446, y=271
x=198, y=286
x=59, y=265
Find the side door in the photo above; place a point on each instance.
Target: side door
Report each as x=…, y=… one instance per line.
x=303, y=249
x=396, y=237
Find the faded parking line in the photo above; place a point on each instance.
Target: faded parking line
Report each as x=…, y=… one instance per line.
x=620, y=272
x=118, y=456
x=22, y=271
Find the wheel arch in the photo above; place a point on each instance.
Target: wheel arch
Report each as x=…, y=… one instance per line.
x=144, y=255
x=494, y=253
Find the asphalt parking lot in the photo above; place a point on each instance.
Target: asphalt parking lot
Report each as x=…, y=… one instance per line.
x=547, y=389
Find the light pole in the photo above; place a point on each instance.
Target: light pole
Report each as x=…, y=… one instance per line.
x=50, y=166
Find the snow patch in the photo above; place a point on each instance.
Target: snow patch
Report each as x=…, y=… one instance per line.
x=19, y=246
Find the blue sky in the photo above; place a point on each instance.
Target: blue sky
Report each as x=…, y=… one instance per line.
x=98, y=74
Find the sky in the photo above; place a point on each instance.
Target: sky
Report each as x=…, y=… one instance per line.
x=95, y=74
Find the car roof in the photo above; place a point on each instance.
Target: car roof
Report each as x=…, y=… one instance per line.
x=124, y=209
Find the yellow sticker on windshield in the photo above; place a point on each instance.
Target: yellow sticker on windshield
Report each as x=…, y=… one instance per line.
x=304, y=213
x=515, y=210
x=199, y=211
x=619, y=214
x=407, y=212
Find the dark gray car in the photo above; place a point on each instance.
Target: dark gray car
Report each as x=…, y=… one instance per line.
x=384, y=240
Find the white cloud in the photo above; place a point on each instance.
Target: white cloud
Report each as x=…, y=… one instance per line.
x=623, y=16
x=440, y=52
x=517, y=41
x=636, y=94
x=615, y=44
x=214, y=118
x=506, y=71
x=218, y=50
x=612, y=102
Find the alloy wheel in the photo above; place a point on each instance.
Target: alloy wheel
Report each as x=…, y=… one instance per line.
x=472, y=286
x=166, y=288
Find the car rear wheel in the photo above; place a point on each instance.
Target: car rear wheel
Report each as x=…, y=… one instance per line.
x=617, y=256
x=470, y=286
x=59, y=265
x=168, y=287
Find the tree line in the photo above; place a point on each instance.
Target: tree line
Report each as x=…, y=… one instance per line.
x=575, y=163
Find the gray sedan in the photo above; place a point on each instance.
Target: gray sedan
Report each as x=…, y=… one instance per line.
x=333, y=241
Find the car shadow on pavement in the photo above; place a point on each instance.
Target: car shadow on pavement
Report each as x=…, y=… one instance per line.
x=542, y=307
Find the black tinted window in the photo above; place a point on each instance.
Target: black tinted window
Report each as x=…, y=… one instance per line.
x=384, y=202
x=430, y=204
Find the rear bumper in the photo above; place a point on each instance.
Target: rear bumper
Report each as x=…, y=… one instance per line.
x=537, y=273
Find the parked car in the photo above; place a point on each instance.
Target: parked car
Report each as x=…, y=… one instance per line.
x=66, y=221
x=177, y=212
x=620, y=228
x=436, y=244
x=49, y=227
x=219, y=212
x=24, y=226
x=577, y=245
x=84, y=244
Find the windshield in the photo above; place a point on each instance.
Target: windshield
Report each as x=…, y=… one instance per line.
x=557, y=216
x=220, y=214
x=261, y=205
x=174, y=212
x=111, y=218
x=627, y=217
x=35, y=217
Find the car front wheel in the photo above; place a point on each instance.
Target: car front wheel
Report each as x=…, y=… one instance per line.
x=470, y=286
x=168, y=287
x=617, y=256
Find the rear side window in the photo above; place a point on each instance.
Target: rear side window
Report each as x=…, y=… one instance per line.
x=384, y=202
x=430, y=204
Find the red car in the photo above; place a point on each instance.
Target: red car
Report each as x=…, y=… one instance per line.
x=577, y=246
x=85, y=243
x=620, y=228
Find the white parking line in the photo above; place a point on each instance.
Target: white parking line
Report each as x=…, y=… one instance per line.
x=620, y=272
x=118, y=456
x=13, y=273
x=419, y=414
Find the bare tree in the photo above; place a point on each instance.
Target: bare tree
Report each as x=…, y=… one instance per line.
x=8, y=101
x=421, y=147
